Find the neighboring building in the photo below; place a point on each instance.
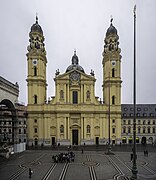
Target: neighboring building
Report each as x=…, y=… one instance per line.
x=74, y=116
x=145, y=123
x=12, y=114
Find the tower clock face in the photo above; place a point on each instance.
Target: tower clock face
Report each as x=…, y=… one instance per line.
x=34, y=62
x=113, y=63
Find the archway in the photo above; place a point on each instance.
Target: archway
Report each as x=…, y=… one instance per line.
x=8, y=114
x=143, y=140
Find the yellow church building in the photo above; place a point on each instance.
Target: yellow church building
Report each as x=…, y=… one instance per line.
x=73, y=116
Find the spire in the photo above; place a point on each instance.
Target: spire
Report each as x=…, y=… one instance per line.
x=36, y=18
x=111, y=20
x=75, y=51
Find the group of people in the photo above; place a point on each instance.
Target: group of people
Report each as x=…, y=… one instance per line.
x=64, y=157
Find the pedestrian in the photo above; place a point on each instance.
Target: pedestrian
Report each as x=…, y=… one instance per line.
x=30, y=172
x=82, y=151
x=131, y=156
x=147, y=153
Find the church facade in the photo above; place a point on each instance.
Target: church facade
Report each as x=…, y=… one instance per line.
x=74, y=116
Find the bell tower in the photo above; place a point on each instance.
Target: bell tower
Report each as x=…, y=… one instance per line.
x=36, y=58
x=111, y=68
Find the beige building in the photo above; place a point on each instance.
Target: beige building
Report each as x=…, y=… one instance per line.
x=73, y=116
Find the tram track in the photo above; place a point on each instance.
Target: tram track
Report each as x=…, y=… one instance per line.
x=64, y=171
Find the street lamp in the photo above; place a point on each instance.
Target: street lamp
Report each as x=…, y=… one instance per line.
x=134, y=167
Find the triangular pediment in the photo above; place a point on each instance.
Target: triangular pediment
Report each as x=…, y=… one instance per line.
x=68, y=75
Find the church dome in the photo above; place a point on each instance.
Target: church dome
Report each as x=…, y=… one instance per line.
x=75, y=64
x=36, y=27
x=111, y=30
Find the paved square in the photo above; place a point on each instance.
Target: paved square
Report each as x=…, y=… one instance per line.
x=94, y=165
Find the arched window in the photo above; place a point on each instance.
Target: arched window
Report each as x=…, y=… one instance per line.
x=139, y=130
x=149, y=130
x=144, y=129
x=88, y=128
x=35, y=99
x=153, y=129
x=113, y=72
x=124, y=129
x=35, y=71
x=129, y=129
x=113, y=99
x=61, y=129
x=61, y=94
x=75, y=97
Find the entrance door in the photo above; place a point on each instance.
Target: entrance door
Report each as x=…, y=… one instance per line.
x=53, y=140
x=75, y=137
x=97, y=140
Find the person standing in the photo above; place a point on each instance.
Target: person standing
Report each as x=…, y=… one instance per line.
x=30, y=172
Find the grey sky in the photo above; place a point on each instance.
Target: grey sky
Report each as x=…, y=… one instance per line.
x=80, y=24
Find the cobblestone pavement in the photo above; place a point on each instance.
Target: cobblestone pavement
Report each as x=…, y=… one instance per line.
x=94, y=165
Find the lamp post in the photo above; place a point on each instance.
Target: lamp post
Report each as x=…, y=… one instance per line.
x=134, y=167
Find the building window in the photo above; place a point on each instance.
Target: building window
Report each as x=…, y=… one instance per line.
x=153, y=121
x=61, y=94
x=113, y=130
x=148, y=122
x=138, y=114
x=144, y=130
x=24, y=131
x=124, y=121
x=113, y=121
x=35, y=130
x=61, y=129
x=124, y=114
x=88, y=94
x=139, y=130
x=19, y=140
x=149, y=130
x=75, y=97
x=129, y=121
x=35, y=120
x=35, y=71
x=129, y=129
x=151, y=115
x=124, y=129
x=138, y=109
x=131, y=114
x=20, y=122
x=88, y=128
x=19, y=131
x=35, y=99
x=24, y=140
x=113, y=99
x=144, y=122
x=144, y=114
x=125, y=109
x=113, y=72
x=138, y=121
x=154, y=130
x=10, y=131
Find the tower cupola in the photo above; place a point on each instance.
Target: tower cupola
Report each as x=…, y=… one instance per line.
x=36, y=39
x=36, y=27
x=75, y=64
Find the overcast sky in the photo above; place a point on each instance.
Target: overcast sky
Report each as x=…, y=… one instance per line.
x=80, y=24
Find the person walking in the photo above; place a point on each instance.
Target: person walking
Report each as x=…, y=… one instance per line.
x=30, y=172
